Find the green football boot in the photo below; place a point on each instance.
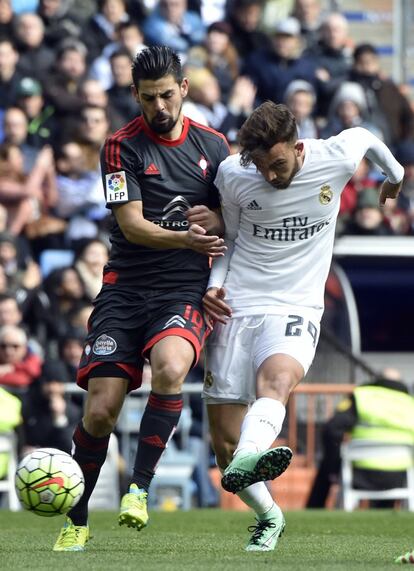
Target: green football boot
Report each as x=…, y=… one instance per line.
x=248, y=468
x=72, y=537
x=267, y=531
x=133, y=511
x=406, y=558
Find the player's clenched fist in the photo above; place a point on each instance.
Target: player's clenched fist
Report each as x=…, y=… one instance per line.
x=208, y=219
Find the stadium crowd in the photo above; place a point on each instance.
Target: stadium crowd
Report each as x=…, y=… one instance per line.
x=65, y=77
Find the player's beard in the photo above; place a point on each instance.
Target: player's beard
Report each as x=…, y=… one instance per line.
x=165, y=126
x=282, y=184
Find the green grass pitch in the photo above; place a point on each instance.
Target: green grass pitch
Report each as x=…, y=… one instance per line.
x=212, y=539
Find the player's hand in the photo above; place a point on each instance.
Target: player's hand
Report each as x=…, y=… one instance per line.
x=389, y=190
x=215, y=307
x=210, y=220
x=197, y=239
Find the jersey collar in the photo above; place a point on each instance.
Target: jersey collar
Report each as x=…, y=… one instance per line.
x=160, y=141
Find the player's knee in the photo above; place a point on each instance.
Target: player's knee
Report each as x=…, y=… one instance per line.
x=278, y=386
x=100, y=417
x=169, y=376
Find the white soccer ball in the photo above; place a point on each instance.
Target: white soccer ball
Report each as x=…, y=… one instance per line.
x=49, y=482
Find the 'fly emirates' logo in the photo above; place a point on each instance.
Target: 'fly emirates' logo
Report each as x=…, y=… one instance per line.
x=293, y=228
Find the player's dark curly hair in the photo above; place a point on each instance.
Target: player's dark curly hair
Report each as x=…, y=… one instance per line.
x=269, y=124
x=156, y=62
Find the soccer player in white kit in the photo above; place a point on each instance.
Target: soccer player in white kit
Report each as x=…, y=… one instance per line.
x=280, y=200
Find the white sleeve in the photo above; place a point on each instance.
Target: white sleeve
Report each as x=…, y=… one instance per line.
x=376, y=151
x=231, y=216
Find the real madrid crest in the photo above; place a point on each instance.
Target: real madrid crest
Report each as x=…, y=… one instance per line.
x=208, y=380
x=326, y=194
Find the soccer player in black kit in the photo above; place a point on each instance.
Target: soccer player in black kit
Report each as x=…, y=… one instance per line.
x=158, y=174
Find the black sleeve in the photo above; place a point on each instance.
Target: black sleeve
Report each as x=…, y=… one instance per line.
x=119, y=173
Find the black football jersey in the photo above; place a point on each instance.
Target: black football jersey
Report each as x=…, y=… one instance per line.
x=168, y=177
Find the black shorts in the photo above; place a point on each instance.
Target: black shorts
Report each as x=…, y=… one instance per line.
x=125, y=324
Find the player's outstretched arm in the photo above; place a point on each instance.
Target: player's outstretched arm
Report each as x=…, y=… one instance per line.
x=138, y=230
x=377, y=152
x=215, y=306
x=210, y=220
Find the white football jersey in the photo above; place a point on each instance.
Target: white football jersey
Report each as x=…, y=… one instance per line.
x=283, y=239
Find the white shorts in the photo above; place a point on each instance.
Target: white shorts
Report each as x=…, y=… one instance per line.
x=235, y=351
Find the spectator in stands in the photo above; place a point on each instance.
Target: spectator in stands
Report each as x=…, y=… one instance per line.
x=4, y=282
x=85, y=8
x=49, y=415
x=100, y=29
x=78, y=318
x=16, y=132
x=36, y=59
x=10, y=313
x=120, y=95
x=63, y=292
x=309, y=14
x=172, y=24
x=18, y=366
x=78, y=186
x=92, y=130
x=204, y=92
x=14, y=310
x=62, y=87
x=333, y=56
x=94, y=95
x=300, y=97
x=24, y=195
x=42, y=125
x=90, y=261
x=70, y=351
x=15, y=193
x=273, y=69
x=388, y=108
x=60, y=21
x=239, y=106
x=349, y=109
x=244, y=17
x=17, y=263
x=9, y=74
x=397, y=219
x=7, y=20
x=221, y=57
x=129, y=37
x=379, y=410
x=368, y=218
x=93, y=126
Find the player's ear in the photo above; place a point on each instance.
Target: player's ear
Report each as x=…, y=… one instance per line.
x=299, y=148
x=134, y=93
x=184, y=87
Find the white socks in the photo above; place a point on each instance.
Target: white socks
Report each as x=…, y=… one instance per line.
x=258, y=498
x=261, y=425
